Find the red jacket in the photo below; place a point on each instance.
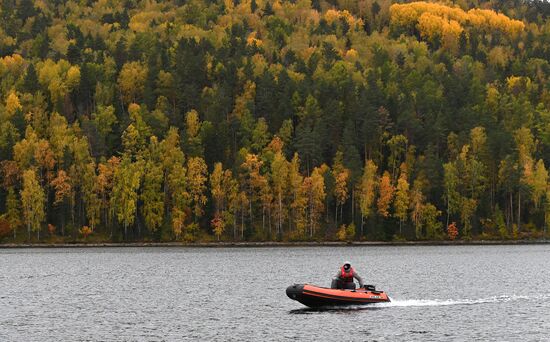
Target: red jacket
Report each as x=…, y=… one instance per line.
x=349, y=275
x=346, y=276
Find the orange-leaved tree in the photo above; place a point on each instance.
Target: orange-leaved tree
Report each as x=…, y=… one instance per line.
x=452, y=231
x=386, y=190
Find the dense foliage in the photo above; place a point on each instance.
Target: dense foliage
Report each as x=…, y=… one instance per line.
x=263, y=120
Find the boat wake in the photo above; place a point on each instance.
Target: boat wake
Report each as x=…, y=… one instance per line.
x=448, y=302
x=395, y=303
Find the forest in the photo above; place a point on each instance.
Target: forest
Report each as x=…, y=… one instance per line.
x=262, y=120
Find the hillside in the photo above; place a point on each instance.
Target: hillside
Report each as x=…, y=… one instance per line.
x=273, y=120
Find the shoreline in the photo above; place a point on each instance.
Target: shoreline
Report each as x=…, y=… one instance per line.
x=276, y=244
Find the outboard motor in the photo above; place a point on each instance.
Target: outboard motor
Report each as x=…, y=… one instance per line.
x=372, y=289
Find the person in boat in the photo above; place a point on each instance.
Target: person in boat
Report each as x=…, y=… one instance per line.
x=344, y=278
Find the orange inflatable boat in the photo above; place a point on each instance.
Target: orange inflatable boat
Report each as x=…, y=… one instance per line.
x=316, y=296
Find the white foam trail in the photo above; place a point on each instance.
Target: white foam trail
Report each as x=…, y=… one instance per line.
x=447, y=302
x=435, y=302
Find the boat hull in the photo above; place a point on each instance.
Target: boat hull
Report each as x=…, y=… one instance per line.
x=315, y=296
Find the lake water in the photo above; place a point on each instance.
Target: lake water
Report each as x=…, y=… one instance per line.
x=449, y=293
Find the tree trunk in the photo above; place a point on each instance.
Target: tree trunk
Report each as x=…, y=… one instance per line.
x=362, y=224
x=290, y=218
x=263, y=219
x=234, y=142
x=137, y=223
x=73, y=208
x=280, y=213
x=326, y=209
x=235, y=227
x=269, y=220
x=80, y=211
x=492, y=194
x=353, y=204
x=63, y=221
x=336, y=215
x=447, y=211
x=511, y=211
x=291, y=214
x=393, y=171
x=310, y=219
x=250, y=206
x=242, y=223
x=519, y=211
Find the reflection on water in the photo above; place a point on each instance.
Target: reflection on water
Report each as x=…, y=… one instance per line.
x=334, y=309
x=174, y=294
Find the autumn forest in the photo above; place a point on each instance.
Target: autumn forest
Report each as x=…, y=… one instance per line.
x=262, y=120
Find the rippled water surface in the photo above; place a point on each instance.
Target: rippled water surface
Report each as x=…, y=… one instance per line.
x=464, y=293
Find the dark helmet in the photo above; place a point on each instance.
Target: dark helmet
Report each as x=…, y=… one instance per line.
x=347, y=265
